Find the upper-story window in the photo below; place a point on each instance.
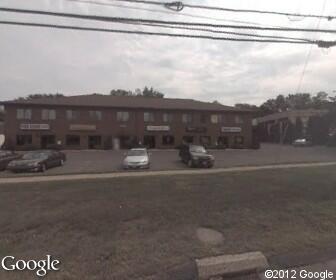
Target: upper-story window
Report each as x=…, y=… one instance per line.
x=186, y=118
x=72, y=115
x=238, y=119
x=216, y=118
x=167, y=117
x=95, y=115
x=48, y=114
x=122, y=116
x=203, y=118
x=148, y=117
x=23, y=114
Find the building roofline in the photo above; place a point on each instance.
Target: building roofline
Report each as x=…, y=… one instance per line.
x=153, y=103
x=291, y=113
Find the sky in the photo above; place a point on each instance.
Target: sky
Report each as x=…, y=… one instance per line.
x=36, y=60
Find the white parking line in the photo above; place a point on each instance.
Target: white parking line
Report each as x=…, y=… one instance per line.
x=55, y=178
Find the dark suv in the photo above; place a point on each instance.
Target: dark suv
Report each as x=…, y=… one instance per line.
x=196, y=156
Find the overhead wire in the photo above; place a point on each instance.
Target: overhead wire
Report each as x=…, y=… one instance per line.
x=168, y=12
x=182, y=23
x=221, y=32
x=56, y=26
x=298, y=89
x=182, y=5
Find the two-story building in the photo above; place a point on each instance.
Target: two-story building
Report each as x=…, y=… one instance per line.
x=105, y=122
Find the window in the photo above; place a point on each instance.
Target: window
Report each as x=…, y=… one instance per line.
x=48, y=114
x=216, y=118
x=23, y=114
x=203, y=118
x=22, y=140
x=122, y=116
x=187, y=118
x=188, y=139
x=205, y=140
x=238, y=119
x=95, y=115
x=239, y=140
x=72, y=115
x=168, y=140
x=72, y=140
x=148, y=117
x=167, y=117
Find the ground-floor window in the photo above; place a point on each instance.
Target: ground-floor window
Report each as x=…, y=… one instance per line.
x=205, y=140
x=47, y=141
x=239, y=140
x=22, y=140
x=128, y=142
x=94, y=141
x=72, y=140
x=223, y=141
x=168, y=140
x=149, y=141
x=188, y=139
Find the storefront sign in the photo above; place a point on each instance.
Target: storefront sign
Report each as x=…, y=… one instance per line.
x=231, y=129
x=82, y=127
x=34, y=126
x=158, y=128
x=196, y=129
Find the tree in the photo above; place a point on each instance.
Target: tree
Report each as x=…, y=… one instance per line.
x=40, y=95
x=121, y=92
x=246, y=106
x=299, y=101
x=146, y=92
x=151, y=92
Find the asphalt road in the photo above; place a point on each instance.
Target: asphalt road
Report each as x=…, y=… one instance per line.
x=108, y=161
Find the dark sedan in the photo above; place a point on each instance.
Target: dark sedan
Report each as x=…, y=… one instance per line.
x=6, y=157
x=37, y=161
x=196, y=156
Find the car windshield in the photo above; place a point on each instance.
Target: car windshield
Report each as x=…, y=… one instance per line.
x=35, y=155
x=197, y=149
x=135, y=153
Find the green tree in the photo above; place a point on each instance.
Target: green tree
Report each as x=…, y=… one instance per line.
x=151, y=92
x=41, y=95
x=121, y=92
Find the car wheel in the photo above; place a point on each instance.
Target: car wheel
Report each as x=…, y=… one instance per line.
x=190, y=163
x=43, y=168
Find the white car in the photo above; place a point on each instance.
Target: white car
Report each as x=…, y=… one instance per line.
x=136, y=159
x=302, y=142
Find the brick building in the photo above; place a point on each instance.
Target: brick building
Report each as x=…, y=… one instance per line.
x=106, y=122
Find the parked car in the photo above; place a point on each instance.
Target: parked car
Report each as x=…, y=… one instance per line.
x=6, y=157
x=137, y=158
x=196, y=156
x=302, y=142
x=37, y=161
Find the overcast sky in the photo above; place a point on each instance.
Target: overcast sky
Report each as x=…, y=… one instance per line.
x=36, y=60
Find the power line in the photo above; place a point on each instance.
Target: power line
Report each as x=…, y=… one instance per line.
x=221, y=32
x=68, y=27
x=168, y=12
x=298, y=89
x=182, y=23
x=179, y=6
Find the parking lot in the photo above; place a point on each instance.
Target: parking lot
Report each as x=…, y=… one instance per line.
x=98, y=161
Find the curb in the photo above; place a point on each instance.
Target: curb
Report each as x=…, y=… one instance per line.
x=55, y=178
x=228, y=265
